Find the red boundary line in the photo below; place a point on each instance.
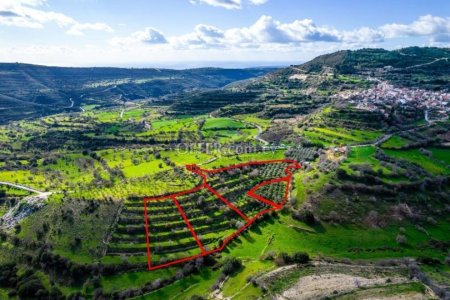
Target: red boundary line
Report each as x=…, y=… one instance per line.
x=224, y=200
x=188, y=224
x=252, y=193
x=202, y=173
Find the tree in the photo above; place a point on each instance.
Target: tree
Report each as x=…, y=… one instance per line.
x=231, y=265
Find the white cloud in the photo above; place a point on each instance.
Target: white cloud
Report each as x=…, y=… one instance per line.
x=258, y=2
x=362, y=36
x=203, y=36
x=424, y=26
x=228, y=4
x=30, y=14
x=78, y=28
x=267, y=31
x=149, y=36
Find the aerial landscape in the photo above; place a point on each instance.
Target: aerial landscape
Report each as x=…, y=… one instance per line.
x=224, y=149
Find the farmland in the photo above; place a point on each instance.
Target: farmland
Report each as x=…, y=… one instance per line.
x=245, y=192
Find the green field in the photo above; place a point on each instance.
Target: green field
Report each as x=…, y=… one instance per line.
x=395, y=142
x=416, y=157
x=222, y=123
x=442, y=154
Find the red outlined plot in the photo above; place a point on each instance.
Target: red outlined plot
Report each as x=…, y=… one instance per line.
x=254, y=194
x=189, y=225
x=206, y=186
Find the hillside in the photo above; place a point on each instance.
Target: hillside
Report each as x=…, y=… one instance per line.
x=28, y=91
x=329, y=179
x=423, y=67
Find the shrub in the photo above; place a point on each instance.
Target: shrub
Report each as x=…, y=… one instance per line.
x=282, y=259
x=428, y=260
x=305, y=216
x=196, y=297
x=300, y=257
x=401, y=239
x=231, y=265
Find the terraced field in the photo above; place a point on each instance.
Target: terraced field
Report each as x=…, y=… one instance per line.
x=178, y=227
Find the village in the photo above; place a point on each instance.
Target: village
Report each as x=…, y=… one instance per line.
x=436, y=104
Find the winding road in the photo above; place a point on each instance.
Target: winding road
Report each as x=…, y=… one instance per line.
x=260, y=131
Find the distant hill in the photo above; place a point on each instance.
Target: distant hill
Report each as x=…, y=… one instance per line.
x=426, y=67
x=28, y=91
x=311, y=84
x=347, y=62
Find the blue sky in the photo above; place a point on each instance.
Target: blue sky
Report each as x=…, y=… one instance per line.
x=187, y=33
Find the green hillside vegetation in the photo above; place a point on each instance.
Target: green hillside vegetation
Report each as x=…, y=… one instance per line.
x=371, y=198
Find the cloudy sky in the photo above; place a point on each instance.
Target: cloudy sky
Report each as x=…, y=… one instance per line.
x=189, y=33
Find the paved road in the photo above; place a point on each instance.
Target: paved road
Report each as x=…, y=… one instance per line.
x=22, y=187
x=258, y=136
x=71, y=103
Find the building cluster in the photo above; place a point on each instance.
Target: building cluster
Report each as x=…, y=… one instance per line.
x=386, y=95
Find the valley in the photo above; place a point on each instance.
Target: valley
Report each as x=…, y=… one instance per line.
x=326, y=179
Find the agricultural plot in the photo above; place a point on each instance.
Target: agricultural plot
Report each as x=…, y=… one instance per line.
x=222, y=124
x=395, y=142
x=227, y=130
x=302, y=153
x=416, y=157
x=200, y=221
x=441, y=154
x=340, y=136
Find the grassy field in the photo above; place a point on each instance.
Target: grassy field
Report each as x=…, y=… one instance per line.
x=185, y=288
x=237, y=159
x=442, y=154
x=340, y=136
x=354, y=242
x=222, y=123
x=416, y=157
x=35, y=180
x=395, y=142
x=133, y=279
x=363, y=155
x=264, y=123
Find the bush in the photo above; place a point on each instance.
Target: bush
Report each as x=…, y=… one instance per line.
x=282, y=259
x=305, y=216
x=401, y=239
x=196, y=297
x=428, y=260
x=300, y=258
x=231, y=265
x=30, y=288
